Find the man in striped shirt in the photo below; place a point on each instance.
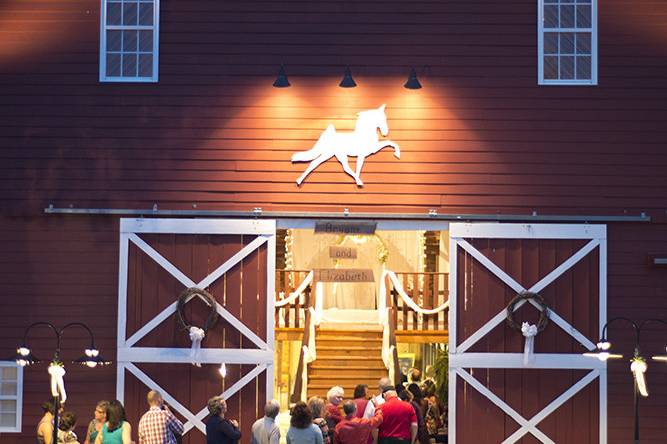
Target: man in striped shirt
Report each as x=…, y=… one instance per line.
x=158, y=425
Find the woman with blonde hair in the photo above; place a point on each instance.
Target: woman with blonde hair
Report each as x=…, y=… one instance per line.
x=220, y=430
x=316, y=406
x=96, y=424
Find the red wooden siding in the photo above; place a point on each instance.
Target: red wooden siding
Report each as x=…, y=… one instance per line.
x=481, y=136
x=574, y=296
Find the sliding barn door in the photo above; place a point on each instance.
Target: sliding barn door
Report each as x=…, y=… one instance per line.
x=234, y=261
x=560, y=396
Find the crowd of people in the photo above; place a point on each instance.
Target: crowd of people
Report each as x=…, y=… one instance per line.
x=408, y=413
x=403, y=414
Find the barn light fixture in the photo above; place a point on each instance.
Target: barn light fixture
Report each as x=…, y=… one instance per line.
x=24, y=357
x=348, y=81
x=413, y=82
x=638, y=364
x=281, y=81
x=56, y=370
x=222, y=370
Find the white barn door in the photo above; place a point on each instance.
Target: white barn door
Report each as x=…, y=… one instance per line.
x=560, y=396
x=234, y=260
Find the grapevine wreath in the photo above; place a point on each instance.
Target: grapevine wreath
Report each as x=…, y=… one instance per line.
x=204, y=295
x=528, y=296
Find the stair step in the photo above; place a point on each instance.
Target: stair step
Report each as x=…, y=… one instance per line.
x=318, y=365
x=343, y=360
x=348, y=347
x=347, y=340
x=347, y=378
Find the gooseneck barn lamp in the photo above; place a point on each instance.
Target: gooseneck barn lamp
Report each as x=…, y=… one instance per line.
x=281, y=81
x=413, y=81
x=638, y=365
x=348, y=81
x=90, y=358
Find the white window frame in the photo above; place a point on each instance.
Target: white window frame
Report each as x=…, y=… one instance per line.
x=18, y=397
x=593, y=81
x=103, y=45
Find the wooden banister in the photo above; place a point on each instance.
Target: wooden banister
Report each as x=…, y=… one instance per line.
x=298, y=380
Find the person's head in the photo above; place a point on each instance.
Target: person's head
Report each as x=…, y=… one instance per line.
x=47, y=407
x=335, y=395
x=391, y=393
x=101, y=411
x=316, y=406
x=429, y=388
x=217, y=406
x=405, y=395
x=67, y=421
x=361, y=391
x=384, y=384
x=154, y=398
x=416, y=392
x=115, y=414
x=301, y=416
x=415, y=375
x=349, y=408
x=271, y=409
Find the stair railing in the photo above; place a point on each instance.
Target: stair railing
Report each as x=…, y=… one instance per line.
x=387, y=315
x=291, y=309
x=308, y=348
x=426, y=288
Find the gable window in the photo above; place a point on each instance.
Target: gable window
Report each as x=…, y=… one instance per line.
x=129, y=40
x=11, y=396
x=567, y=42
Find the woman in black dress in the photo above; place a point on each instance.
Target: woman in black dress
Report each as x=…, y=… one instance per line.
x=220, y=430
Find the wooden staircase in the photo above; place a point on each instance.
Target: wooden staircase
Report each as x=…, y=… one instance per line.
x=346, y=357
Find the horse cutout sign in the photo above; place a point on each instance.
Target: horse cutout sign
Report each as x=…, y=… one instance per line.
x=360, y=143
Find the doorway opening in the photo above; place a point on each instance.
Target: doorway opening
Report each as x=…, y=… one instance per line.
x=360, y=306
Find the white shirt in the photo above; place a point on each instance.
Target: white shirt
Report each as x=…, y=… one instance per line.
x=370, y=407
x=265, y=431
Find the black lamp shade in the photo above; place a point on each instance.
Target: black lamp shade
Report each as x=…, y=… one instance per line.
x=413, y=82
x=281, y=81
x=348, y=81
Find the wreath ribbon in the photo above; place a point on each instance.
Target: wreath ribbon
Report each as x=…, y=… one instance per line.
x=529, y=332
x=196, y=336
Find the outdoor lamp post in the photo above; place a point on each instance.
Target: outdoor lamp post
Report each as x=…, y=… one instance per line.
x=90, y=358
x=638, y=365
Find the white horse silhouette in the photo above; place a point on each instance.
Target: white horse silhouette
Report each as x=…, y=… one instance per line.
x=360, y=143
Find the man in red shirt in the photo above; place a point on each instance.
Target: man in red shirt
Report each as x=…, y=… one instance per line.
x=354, y=430
x=399, y=421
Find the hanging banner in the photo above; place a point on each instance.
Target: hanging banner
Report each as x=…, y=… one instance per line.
x=344, y=227
x=342, y=252
x=344, y=275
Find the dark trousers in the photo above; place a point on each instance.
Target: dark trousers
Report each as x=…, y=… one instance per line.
x=392, y=440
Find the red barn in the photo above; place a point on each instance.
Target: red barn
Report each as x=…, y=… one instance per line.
x=461, y=153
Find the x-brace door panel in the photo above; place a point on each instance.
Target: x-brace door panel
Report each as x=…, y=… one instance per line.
x=234, y=261
x=490, y=264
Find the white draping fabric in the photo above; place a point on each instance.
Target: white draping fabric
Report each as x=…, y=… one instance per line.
x=57, y=373
x=407, y=299
x=296, y=293
x=638, y=368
